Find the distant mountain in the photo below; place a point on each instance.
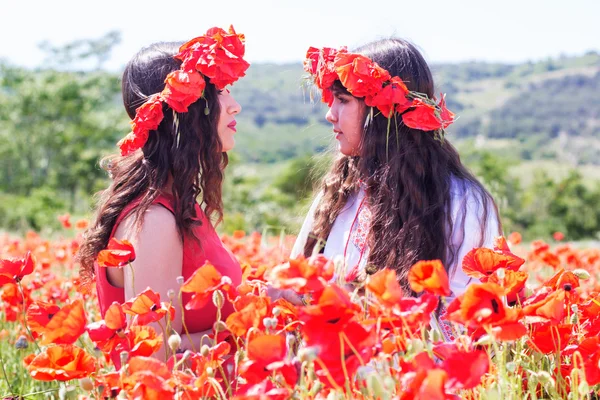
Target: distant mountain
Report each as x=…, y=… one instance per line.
x=547, y=110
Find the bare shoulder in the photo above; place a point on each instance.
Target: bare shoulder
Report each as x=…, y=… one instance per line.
x=158, y=228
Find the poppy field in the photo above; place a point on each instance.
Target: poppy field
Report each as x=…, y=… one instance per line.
x=527, y=328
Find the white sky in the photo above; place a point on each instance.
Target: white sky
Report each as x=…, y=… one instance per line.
x=281, y=30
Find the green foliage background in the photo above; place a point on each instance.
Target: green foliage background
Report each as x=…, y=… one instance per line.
x=531, y=132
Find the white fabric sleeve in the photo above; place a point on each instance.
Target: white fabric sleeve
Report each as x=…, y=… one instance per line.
x=307, y=226
x=463, y=242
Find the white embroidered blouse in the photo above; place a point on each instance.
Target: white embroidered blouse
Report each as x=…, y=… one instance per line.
x=348, y=234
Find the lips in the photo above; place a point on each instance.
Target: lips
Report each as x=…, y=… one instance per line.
x=232, y=125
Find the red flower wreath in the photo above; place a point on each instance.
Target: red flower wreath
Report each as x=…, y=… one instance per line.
x=364, y=78
x=217, y=55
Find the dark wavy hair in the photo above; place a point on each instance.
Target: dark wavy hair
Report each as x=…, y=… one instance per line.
x=407, y=178
x=195, y=159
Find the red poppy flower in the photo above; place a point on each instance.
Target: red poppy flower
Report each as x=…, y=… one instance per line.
x=501, y=246
x=547, y=303
x=81, y=224
x=66, y=326
x=265, y=390
x=515, y=238
x=182, y=89
x=132, y=142
x=550, y=338
x=61, y=363
x=303, y=275
x=562, y=279
x=250, y=311
x=147, y=307
x=143, y=341
x=512, y=283
x=39, y=314
x=422, y=117
x=391, y=97
x=147, y=379
x=117, y=254
x=589, y=349
x=429, y=276
x=446, y=115
x=203, y=282
x=480, y=306
x=65, y=220
x=359, y=75
x=465, y=369
x=482, y=262
x=266, y=354
x=148, y=117
x=384, y=285
x=558, y=236
x=319, y=63
x=218, y=55
x=14, y=269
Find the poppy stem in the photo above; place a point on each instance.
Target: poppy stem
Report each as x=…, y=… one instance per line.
x=10, y=389
x=25, y=316
x=215, y=384
x=343, y=354
x=132, y=278
x=40, y=392
x=183, y=325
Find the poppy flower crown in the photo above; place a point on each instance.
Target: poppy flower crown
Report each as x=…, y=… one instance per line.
x=364, y=78
x=217, y=55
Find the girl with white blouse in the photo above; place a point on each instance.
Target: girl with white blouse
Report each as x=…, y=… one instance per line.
x=397, y=193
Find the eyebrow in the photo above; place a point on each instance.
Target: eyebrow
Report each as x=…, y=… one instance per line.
x=338, y=91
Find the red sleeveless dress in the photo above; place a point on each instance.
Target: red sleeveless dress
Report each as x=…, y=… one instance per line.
x=194, y=256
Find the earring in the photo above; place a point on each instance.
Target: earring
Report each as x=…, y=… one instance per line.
x=206, y=109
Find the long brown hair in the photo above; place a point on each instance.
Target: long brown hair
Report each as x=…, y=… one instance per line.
x=185, y=146
x=408, y=177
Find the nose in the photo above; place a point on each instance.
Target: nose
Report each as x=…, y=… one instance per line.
x=234, y=107
x=330, y=117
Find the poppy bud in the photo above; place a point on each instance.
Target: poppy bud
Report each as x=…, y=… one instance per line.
x=171, y=294
x=581, y=273
x=436, y=336
x=276, y=311
x=204, y=350
x=174, y=342
x=210, y=372
x=307, y=354
x=21, y=343
x=86, y=384
x=574, y=319
x=180, y=280
x=267, y=322
x=218, y=299
x=219, y=326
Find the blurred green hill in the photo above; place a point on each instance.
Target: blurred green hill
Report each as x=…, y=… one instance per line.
x=544, y=110
x=527, y=130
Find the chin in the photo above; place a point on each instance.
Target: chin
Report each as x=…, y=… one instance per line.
x=228, y=146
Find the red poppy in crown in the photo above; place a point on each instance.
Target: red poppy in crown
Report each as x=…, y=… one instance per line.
x=363, y=77
x=217, y=55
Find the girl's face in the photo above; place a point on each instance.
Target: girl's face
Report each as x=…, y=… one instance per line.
x=226, y=126
x=347, y=115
